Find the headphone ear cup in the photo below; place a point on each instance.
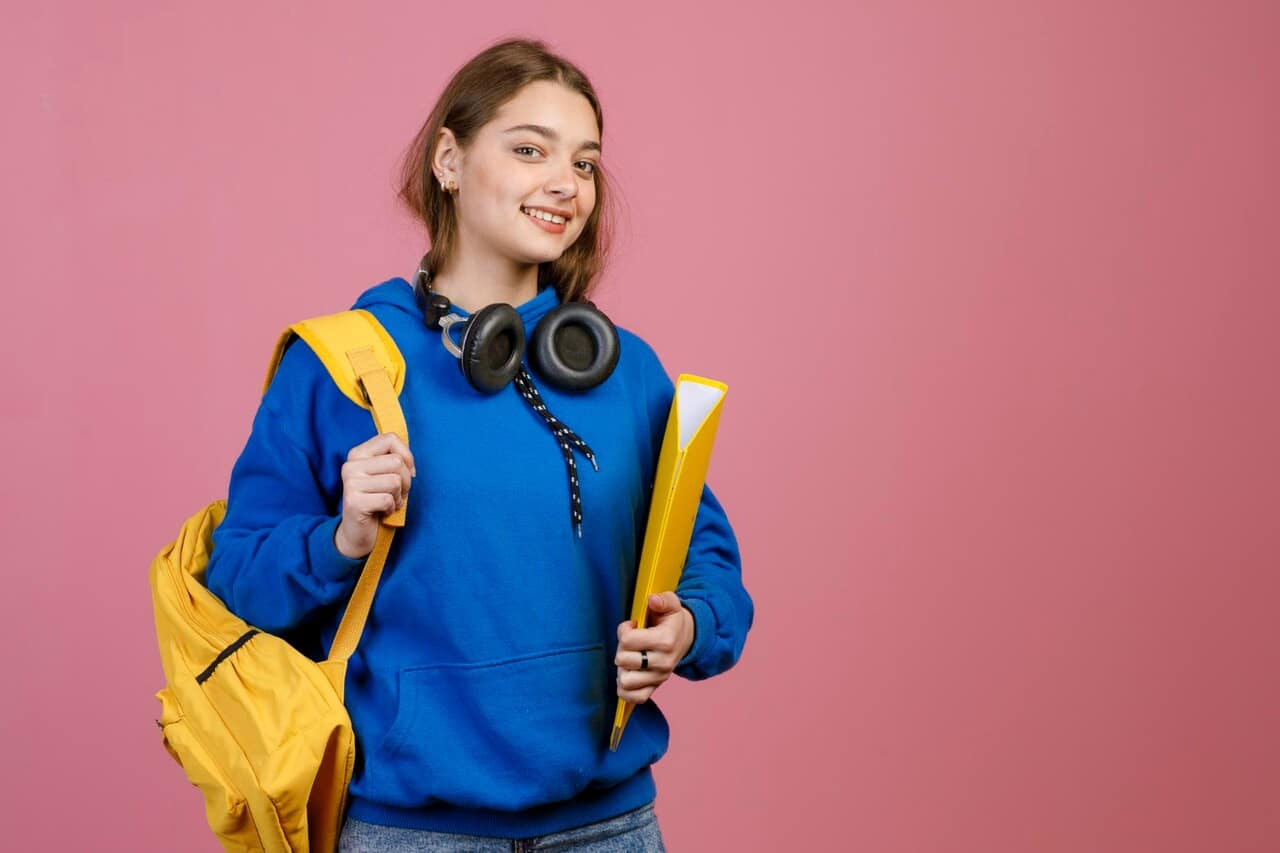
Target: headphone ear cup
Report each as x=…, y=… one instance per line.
x=492, y=346
x=574, y=347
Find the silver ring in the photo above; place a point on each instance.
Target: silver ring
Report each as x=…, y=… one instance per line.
x=644, y=659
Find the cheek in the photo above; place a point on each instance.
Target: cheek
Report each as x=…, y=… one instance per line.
x=493, y=192
x=586, y=204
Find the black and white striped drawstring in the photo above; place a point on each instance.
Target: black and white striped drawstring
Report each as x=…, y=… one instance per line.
x=564, y=436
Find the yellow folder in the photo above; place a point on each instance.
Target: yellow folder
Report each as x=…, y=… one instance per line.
x=677, y=493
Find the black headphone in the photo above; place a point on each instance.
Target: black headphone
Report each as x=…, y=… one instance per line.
x=574, y=346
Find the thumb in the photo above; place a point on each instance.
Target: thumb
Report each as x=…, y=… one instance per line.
x=665, y=602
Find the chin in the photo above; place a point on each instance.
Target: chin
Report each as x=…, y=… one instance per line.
x=545, y=250
x=536, y=256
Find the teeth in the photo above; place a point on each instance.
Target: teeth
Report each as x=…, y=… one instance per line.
x=542, y=214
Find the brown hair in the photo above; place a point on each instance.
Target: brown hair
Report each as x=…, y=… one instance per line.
x=470, y=100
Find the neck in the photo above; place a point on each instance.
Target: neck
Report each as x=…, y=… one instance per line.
x=472, y=281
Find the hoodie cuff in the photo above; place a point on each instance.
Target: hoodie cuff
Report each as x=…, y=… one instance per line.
x=327, y=562
x=704, y=628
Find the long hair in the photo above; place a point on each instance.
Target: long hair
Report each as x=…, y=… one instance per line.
x=470, y=101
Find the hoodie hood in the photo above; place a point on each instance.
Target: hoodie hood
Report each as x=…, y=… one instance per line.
x=398, y=293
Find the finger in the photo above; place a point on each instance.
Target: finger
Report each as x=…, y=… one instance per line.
x=390, y=484
x=630, y=679
x=661, y=638
x=632, y=661
x=638, y=696
x=380, y=464
x=369, y=505
x=663, y=602
x=624, y=627
x=375, y=446
x=384, y=464
x=402, y=450
x=387, y=442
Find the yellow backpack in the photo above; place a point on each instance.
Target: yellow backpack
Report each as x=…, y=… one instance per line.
x=258, y=727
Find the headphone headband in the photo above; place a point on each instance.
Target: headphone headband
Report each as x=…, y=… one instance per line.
x=433, y=305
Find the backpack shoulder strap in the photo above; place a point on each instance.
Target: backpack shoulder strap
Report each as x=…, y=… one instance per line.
x=331, y=337
x=365, y=363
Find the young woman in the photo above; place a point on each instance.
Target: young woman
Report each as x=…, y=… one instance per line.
x=483, y=689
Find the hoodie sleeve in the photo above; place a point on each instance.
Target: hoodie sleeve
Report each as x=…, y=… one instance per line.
x=274, y=562
x=710, y=585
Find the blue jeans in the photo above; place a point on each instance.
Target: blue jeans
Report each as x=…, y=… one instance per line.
x=635, y=831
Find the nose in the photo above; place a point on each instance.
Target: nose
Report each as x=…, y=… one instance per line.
x=562, y=183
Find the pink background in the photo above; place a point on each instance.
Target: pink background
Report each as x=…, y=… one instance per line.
x=993, y=286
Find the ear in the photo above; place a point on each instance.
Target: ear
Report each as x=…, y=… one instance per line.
x=447, y=158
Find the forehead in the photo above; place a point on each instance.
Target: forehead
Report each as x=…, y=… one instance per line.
x=549, y=105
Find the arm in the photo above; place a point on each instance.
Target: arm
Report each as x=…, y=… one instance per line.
x=711, y=589
x=710, y=584
x=274, y=562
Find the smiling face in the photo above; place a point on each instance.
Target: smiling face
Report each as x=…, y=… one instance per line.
x=540, y=151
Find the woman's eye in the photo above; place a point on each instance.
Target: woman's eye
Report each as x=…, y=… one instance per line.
x=590, y=167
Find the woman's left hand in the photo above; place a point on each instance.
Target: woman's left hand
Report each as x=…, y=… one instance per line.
x=667, y=641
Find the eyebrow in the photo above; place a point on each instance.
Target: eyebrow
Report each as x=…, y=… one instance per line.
x=551, y=133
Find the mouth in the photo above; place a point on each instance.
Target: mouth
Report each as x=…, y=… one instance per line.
x=546, y=220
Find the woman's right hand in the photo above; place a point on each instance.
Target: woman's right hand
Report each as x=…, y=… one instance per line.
x=375, y=480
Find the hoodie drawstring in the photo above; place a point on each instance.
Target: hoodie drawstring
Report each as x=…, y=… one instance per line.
x=524, y=384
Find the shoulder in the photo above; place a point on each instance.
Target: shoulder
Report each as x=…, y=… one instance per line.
x=301, y=384
x=638, y=353
x=645, y=371
x=298, y=365
x=313, y=345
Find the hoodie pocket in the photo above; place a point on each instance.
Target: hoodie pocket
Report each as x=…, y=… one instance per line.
x=506, y=734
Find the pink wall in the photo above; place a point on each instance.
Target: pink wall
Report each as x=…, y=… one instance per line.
x=991, y=287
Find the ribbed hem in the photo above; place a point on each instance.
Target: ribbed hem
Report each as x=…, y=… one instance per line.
x=592, y=805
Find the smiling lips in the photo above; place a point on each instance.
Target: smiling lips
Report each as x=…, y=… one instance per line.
x=545, y=220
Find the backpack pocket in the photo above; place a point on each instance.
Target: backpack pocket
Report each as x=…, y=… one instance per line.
x=505, y=734
x=224, y=806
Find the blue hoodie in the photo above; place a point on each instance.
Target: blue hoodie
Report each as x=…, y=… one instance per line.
x=483, y=690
